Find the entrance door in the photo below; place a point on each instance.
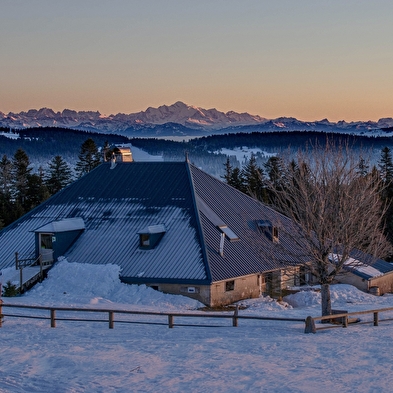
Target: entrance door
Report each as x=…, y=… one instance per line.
x=46, y=248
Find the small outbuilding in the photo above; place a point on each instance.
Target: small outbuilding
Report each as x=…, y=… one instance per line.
x=367, y=274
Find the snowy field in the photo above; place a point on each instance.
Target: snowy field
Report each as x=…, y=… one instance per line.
x=257, y=356
x=243, y=154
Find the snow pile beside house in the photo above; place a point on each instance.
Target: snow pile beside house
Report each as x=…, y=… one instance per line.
x=341, y=295
x=77, y=284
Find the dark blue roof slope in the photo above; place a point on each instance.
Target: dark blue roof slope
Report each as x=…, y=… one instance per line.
x=254, y=252
x=116, y=204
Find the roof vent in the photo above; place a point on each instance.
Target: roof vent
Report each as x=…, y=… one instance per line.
x=113, y=161
x=222, y=244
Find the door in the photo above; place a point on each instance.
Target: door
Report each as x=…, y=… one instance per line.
x=46, y=248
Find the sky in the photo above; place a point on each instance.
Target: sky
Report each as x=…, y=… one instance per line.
x=310, y=59
x=257, y=356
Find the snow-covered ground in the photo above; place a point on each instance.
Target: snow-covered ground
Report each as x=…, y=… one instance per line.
x=9, y=135
x=243, y=154
x=257, y=356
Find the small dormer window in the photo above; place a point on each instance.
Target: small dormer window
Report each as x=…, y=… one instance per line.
x=151, y=236
x=144, y=240
x=275, y=234
x=269, y=230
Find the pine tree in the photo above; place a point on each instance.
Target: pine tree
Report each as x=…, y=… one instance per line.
x=237, y=180
x=253, y=179
x=59, y=175
x=228, y=171
x=363, y=167
x=274, y=168
x=385, y=165
x=20, y=173
x=88, y=158
x=37, y=192
x=5, y=177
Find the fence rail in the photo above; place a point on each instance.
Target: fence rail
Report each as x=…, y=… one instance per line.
x=111, y=316
x=335, y=320
x=344, y=319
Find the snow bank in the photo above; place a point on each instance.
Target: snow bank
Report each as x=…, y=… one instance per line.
x=341, y=294
x=85, y=284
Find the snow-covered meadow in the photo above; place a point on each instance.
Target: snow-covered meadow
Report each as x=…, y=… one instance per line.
x=257, y=356
x=243, y=154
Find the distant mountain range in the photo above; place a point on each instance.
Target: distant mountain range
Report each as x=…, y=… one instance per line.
x=180, y=119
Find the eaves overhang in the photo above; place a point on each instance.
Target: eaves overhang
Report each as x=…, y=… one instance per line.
x=147, y=280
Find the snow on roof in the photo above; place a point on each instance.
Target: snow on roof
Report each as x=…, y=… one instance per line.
x=160, y=228
x=66, y=225
x=361, y=267
x=357, y=266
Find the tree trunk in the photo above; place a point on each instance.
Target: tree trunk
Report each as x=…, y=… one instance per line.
x=325, y=299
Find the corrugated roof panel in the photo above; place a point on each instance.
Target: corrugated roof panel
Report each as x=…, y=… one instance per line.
x=254, y=252
x=115, y=204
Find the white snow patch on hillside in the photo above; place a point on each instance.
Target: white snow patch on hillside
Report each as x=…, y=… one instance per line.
x=243, y=154
x=10, y=135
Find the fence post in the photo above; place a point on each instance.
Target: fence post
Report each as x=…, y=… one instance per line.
x=52, y=318
x=1, y=311
x=21, y=280
x=345, y=321
x=41, y=269
x=111, y=320
x=235, y=314
x=310, y=325
x=375, y=319
x=170, y=321
x=16, y=261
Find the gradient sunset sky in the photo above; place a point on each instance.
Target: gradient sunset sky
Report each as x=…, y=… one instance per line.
x=309, y=59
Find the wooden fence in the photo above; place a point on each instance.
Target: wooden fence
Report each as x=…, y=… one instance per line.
x=110, y=316
x=343, y=319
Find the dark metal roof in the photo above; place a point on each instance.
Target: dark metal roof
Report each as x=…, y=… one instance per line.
x=193, y=207
x=254, y=252
x=115, y=205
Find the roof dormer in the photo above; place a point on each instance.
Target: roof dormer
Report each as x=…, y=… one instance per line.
x=149, y=237
x=269, y=230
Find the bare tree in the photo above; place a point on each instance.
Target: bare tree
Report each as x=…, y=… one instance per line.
x=334, y=211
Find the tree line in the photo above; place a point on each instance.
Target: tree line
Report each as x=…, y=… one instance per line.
x=263, y=182
x=340, y=207
x=21, y=189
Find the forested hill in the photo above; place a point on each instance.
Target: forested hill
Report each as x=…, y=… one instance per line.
x=47, y=142
x=42, y=144
x=271, y=142
x=290, y=139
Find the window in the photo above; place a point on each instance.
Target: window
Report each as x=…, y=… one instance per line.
x=144, y=240
x=229, y=285
x=275, y=234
